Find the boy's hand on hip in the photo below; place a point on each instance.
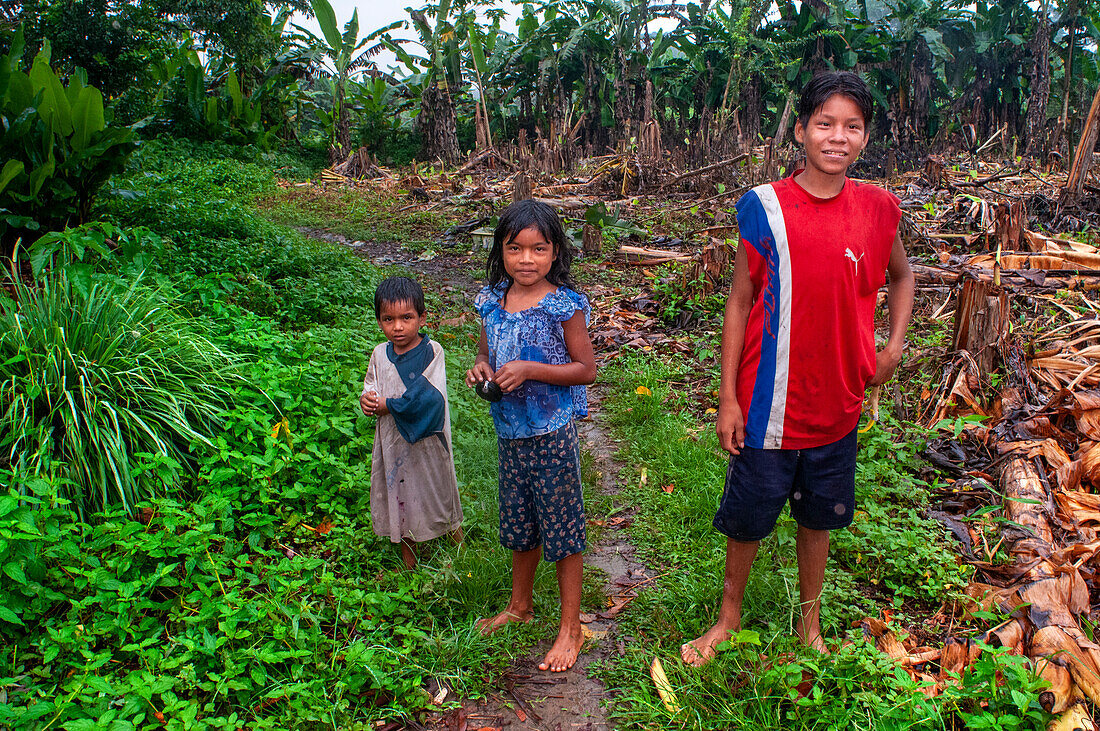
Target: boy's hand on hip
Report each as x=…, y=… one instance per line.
x=731, y=428
x=480, y=372
x=512, y=375
x=886, y=361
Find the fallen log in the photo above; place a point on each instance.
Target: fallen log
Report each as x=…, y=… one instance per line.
x=704, y=170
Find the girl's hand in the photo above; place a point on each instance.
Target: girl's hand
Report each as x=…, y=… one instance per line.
x=480, y=372
x=512, y=375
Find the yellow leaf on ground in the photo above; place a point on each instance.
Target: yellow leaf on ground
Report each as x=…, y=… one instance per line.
x=643, y=391
x=664, y=688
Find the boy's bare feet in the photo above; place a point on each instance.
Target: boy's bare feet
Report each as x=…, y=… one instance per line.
x=564, y=652
x=701, y=650
x=489, y=625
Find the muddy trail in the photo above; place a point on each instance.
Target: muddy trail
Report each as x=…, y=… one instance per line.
x=525, y=698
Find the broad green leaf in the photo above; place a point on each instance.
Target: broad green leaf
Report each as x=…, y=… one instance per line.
x=11, y=169
x=42, y=252
x=87, y=116
x=9, y=616
x=20, y=94
x=234, y=88
x=54, y=106
x=475, y=48
x=42, y=173
x=326, y=18
x=211, y=110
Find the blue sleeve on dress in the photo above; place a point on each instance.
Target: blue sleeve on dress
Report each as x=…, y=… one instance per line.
x=487, y=300
x=565, y=303
x=419, y=412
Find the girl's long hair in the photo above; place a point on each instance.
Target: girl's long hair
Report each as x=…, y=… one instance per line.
x=527, y=214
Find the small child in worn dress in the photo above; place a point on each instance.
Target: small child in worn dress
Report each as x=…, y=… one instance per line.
x=413, y=492
x=535, y=347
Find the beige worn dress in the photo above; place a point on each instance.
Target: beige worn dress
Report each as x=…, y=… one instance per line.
x=414, y=492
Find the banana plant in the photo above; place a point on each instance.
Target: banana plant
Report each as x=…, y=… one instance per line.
x=341, y=49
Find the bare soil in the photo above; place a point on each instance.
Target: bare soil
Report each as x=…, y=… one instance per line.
x=525, y=698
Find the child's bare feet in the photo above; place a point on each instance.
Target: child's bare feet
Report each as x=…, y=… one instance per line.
x=564, y=651
x=699, y=651
x=489, y=625
x=408, y=554
x=816, y=642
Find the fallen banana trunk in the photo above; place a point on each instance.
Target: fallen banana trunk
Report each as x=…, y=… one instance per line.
x=1076, y=718
x=1062, y=692
x=1054, y=643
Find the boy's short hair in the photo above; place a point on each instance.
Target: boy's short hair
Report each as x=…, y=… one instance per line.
x=398, y=289
x=818, y=90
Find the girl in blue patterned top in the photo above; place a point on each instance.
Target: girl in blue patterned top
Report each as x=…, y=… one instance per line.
x=535, y=347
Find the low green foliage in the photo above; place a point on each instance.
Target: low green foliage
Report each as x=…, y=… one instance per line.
x=216, y=247
x=264, y=600
x=359, y=214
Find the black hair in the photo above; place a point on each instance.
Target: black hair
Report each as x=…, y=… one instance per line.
x=398, y=289
x=818, y=90
x=531, y=214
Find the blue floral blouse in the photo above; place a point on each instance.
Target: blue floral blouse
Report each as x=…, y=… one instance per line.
x=534, y=334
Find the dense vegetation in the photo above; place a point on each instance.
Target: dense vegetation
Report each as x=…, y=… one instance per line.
x=593, y=72
x=184, y=514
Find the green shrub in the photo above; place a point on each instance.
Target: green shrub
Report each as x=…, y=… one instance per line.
x=107, y=383
x=57, y=144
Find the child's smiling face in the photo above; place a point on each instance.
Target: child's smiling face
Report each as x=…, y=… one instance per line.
x=401, y=323
x=834, y=136
x=528, y=257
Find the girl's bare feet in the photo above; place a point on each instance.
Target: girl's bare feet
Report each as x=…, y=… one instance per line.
x=564, y=652
x=699, y=651
x=489, y=625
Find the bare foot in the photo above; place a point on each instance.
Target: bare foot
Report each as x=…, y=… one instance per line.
x=489, y=625
x=408, y=554
x=699, y=651
x=817, y=643
x=564, y=651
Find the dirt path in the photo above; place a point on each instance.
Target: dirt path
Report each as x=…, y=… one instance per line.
x=526, y=698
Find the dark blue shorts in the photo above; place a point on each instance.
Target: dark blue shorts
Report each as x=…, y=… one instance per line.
x=819, y=482
x=540, y=494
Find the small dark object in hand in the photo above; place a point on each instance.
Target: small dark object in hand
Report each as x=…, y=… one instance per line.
x=489, y=391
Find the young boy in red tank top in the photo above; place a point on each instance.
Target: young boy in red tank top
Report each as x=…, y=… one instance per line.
x=798, y=349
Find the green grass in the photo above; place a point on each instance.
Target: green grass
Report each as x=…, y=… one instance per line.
x=360, y=214
x=892, y=558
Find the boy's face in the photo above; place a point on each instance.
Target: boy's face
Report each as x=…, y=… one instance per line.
x=401, y=324
x=833, y=137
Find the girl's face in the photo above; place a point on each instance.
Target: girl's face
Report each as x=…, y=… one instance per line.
x=528, y=257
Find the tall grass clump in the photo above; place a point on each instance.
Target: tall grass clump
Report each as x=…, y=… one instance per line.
x=105, y=384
